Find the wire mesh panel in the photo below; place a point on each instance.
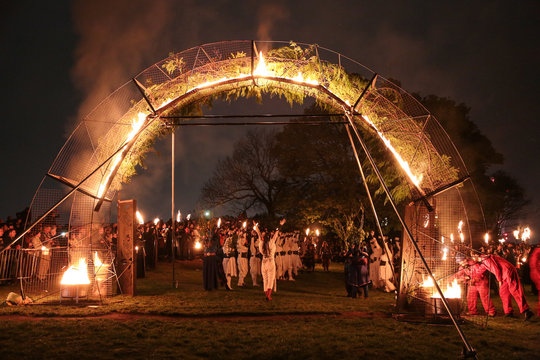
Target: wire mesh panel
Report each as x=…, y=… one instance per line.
x=112, y=140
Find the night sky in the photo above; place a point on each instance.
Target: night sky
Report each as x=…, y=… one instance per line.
x=59, y=59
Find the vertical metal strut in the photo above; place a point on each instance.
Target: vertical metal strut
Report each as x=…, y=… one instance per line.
x=470, y=351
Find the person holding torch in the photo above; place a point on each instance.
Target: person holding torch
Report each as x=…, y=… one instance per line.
x=267, y=247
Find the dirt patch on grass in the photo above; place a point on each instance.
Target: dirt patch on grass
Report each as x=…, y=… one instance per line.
x=212, y=317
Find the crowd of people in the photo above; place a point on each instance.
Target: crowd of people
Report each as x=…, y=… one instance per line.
x=240, y=249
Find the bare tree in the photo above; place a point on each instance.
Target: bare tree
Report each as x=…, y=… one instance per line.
x=248, y=179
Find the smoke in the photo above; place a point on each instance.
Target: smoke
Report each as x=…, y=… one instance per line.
x=268, y=15
x=116, y=40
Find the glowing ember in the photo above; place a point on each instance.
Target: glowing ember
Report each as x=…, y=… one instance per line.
x=426, y=221
x=526, y=234
x=486, y=238
x=76, y=275
x=179, y=216
x=197, y=245
x=404, y=165
x=139, y=217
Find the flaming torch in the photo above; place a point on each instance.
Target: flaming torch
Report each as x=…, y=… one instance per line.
x=452, y=238
x=244, y=224
x=486, y=238
x=219, y=223
x=317, y=232
x=139, y=218
x=442, y=239
x=188, y=217
x=516, y=234
x=307, y=232
x=156, y=221
x=526, y=234
x=178, y=216
x=197, y=245
x=445, y=253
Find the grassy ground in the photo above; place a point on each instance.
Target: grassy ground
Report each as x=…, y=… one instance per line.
x=199, y=330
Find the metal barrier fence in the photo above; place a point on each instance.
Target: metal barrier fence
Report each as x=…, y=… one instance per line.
x=41, y=271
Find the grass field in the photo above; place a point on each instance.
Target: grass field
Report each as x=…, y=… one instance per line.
x=309, y=318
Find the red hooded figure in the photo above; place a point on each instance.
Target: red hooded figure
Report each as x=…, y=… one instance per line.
x=478, y=286
x=534, y=263
x=508, y=279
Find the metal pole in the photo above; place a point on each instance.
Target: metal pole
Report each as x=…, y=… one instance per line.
x=468, y=347
x=173, y=218
x=386, y=249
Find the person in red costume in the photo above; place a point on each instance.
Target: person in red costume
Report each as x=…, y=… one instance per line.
x=534, y=263
x=509, y=284
x=478, y=286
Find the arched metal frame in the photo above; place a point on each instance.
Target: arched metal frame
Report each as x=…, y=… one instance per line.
x=110, y=140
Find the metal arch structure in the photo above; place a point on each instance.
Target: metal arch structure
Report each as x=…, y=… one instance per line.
x=444, y=218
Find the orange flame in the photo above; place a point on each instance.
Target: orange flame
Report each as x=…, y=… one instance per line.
x=416, y=180
x=139, y=217
x=76, y=275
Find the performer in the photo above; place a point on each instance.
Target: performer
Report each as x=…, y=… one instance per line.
x=478, y=279
x=510, y=285
x=267, y=247
x=280, y=254
x=534, y=264
x=326, y=255
x=242, y=249
x=210, y=263
x=296, y=261
x=374, y=262
x=255, y=259
x=229, y=261
x=385, y=272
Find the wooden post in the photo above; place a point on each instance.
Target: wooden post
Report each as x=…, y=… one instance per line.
x=126, y=256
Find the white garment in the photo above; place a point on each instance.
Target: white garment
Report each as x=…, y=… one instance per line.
x=385, y=272
x=374, y=262
x=242, y=261
x=229, y=264
x=268, y=266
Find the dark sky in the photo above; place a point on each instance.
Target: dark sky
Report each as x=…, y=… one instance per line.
x=59, y=58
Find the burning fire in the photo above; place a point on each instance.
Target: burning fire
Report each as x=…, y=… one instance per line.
x=197, y=245
x=526, y=234
x=405, y=165
x=99, y=267
x=442, y=239
x=76, y=275
x=452, y=291
x=461, y=237
x=136, y=125
x=460, y=225
x=139, y=218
